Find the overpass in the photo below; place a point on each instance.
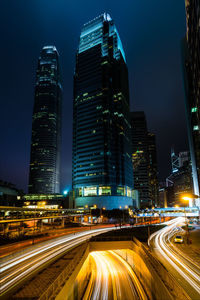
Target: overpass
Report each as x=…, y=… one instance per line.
x=172, y=212
x=35, y=217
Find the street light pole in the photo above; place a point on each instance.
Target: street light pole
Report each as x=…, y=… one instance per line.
x=34, y=225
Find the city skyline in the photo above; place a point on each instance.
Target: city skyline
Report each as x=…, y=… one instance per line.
x=15, y=154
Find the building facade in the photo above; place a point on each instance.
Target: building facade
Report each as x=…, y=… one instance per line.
x=102, y=170
x=192, y=80
x=44, y=174
x=180, y=179
x=10, y=195
x=144, y=160
x=153, y=169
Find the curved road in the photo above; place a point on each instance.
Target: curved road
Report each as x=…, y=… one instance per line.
x=15, y=268
x=182, y=267
x=112, y=278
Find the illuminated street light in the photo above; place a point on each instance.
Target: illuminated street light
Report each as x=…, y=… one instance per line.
x=187, y=197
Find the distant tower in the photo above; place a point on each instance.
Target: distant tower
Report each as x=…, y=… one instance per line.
x=102, y=169
x=174, y=161
x=192, y=87
x=44, y=176
x=153, y=169
x=140, y=157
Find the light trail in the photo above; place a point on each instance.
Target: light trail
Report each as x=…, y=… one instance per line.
x=174, y=257
x=112, y=278
x=15, y=269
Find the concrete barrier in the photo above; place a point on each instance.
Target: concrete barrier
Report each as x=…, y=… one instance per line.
x=63, y=286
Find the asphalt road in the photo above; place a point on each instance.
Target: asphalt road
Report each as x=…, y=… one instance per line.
x=15, y=268
x=183, y=268
x=112, y=278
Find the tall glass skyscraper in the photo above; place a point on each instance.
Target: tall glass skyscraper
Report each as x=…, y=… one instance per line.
x=102, y=169
x=140, y=157
x=44, y=176
x=192, y=84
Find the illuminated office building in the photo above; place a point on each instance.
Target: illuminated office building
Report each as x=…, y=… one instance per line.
x=44, y=176
x=102, y=169
x=192, y=85
x=153, y=168
x=140, y=157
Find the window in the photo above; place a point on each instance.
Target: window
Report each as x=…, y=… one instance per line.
x=120, y=191
x=104, y=190
x=194, y=109
x=128, y=192
x=195, y=127
x=90, y=191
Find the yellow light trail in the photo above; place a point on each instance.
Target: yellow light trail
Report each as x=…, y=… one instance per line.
x=112, y=278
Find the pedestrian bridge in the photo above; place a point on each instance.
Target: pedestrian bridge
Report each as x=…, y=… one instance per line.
x=172, y=212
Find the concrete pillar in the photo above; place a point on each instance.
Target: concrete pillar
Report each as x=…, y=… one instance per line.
x=5, y=228
x=63, y=222
x=91, y=218
x=21, y=229
x=40, y=225
x=86, y=219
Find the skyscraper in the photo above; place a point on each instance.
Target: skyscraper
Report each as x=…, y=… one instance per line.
x=153, y=168
x=192, y=85
x=140, y=157
x=44, y=176
x=102, y=169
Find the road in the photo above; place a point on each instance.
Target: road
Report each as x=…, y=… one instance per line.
x=15, y=268
x=112, y=278
x=182, y=267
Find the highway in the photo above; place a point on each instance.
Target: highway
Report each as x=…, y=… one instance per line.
x=182, y=267
x=112, y=278
x=15, y=268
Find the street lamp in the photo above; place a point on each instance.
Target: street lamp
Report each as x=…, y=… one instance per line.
x=186, y=198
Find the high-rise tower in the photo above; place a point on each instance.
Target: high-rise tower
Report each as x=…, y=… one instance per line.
x=44, y=176
x=140, y=157
x=153, y=168
x=102, y=169
x=192, y=84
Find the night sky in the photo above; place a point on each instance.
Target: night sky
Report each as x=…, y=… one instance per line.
x=151, y=33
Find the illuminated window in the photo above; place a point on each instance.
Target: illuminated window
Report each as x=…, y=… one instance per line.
x=104, y=190
x=194, y=109
x=196, y=127
x=90, y=191
x=120, y=191
x=80, y=192
x=128, y=192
